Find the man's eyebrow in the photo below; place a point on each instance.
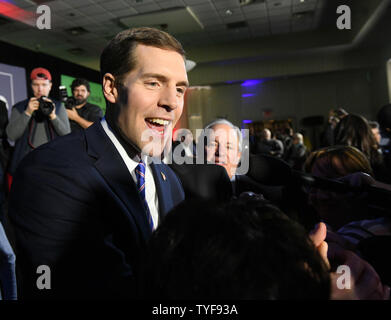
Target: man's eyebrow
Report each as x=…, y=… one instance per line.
x=163, y=78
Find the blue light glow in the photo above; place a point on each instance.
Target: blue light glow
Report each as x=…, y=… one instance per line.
x=247, y=121
x=251, y=83
x=246, y=95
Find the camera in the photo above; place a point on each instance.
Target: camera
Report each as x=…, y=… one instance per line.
x=45, y=107
x=69, y=102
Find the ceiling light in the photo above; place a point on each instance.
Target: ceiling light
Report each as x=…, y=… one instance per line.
x=228, y=12
x=245, y=2
x=190, y=65
x=76, y=31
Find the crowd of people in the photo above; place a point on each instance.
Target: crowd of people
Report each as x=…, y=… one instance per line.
x=34, y=122
x=112, y=216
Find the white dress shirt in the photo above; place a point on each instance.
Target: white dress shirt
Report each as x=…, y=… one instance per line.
x=150, y=189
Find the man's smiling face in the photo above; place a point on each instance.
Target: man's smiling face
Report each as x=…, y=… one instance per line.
x=155, y=91
x=224, y=148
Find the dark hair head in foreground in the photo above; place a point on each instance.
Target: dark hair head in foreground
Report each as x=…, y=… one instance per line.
x=245, y=249
x=337, y=161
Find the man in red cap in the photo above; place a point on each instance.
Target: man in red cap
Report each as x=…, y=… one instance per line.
x=36, y=120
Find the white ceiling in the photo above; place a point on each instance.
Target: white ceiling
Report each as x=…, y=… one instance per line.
x=102, y=20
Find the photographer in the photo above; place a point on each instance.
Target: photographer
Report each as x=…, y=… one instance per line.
x=37, y=120
x=81, y=114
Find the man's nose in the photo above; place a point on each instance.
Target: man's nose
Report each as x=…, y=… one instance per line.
x=169, y=98
x=220, y=151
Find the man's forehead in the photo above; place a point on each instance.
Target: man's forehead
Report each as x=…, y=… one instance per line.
x=149, y=59
x=81, y=87
x=40, y=81
x=224, y=132
x=222, y=127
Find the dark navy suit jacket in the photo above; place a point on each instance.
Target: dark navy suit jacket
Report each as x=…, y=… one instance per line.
x=76, y=209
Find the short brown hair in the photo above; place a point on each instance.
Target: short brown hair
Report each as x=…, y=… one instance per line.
x=337, y=161
x=118, y=56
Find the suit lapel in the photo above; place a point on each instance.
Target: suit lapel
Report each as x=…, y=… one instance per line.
x=162, y=185
x=114, y=171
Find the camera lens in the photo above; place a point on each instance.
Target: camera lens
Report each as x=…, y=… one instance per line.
x=46, y=107
x=70, y=103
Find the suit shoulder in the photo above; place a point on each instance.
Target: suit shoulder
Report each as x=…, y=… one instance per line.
x=63, y=149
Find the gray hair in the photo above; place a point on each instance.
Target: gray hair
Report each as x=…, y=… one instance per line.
x=224, y=121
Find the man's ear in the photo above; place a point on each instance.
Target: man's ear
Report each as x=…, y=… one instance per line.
x=109, y=90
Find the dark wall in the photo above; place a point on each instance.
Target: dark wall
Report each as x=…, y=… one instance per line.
x=13, y=55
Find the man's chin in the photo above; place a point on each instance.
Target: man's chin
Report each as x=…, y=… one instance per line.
x=154, y=150
x=80, y=101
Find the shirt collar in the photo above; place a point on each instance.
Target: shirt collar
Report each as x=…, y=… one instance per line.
x=132, y=150
x=131, y=162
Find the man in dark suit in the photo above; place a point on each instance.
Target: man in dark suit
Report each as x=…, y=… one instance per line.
x=84, y=206
x=203, y=181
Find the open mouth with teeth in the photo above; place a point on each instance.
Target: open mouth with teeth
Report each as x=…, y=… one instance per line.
x=157, y=124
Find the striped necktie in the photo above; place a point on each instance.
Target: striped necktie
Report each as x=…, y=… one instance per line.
x=140, y=175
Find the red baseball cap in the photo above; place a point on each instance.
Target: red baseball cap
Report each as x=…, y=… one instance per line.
x=40, y=73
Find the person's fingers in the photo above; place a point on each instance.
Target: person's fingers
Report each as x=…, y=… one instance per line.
x=318, y=234
x=322, y=249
